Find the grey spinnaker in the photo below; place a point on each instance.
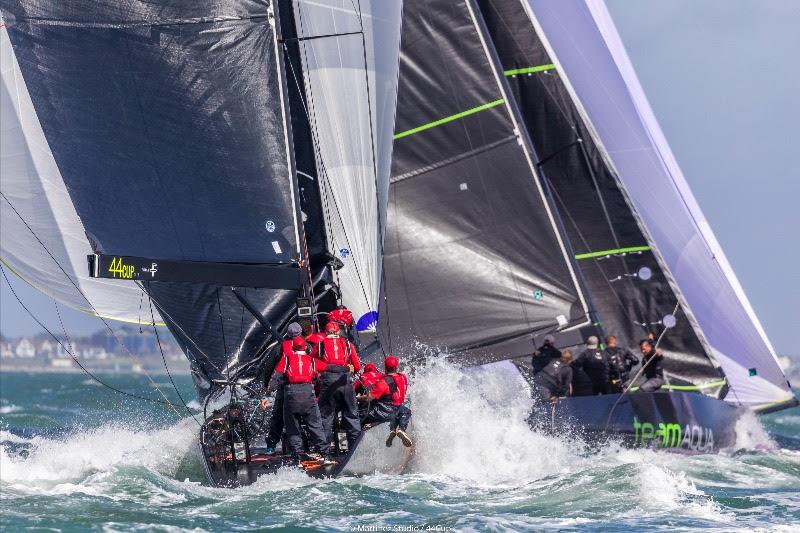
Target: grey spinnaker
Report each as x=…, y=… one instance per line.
x=627, y=287
x=592, y=59
x=473, y=262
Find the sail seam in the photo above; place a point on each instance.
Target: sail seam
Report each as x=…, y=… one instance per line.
x=451, y=118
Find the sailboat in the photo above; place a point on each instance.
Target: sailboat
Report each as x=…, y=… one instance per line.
x=223, y=165
x=533, y=193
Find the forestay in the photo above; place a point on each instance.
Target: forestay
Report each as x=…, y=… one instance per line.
x=588, y=52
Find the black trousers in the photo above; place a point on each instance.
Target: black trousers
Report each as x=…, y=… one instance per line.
x=276, y=421
x=299, y=404
x=398, y=416
x=336, y=394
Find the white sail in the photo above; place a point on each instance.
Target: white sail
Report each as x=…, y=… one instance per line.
x=588, y=52
x=42, y=240
x=350, y=53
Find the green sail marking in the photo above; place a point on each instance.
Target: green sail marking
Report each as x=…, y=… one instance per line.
x=529, y=70
x=601, y=253
x=451, y=118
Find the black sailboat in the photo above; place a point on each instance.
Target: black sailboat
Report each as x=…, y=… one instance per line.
x=502, y=91
x=228, y=159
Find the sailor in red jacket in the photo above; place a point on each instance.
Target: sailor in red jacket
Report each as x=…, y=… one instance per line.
x=344, y=317
x=336, y=392
x=368, y=379
x=293, y=331
x=386, y=401
x=299, y=369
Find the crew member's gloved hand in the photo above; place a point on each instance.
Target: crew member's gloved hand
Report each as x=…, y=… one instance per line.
x=263, y=404
x=352, y=368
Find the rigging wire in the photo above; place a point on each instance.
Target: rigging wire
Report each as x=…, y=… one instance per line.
x=166, y=367
x=75, y=358
x=80, y=291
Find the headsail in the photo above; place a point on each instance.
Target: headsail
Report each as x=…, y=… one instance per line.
x=588, y=52
x=473, y=260
x=349, y=57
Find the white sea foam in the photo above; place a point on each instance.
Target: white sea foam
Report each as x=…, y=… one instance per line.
x=55, y=463
x=472, y=425
x=751, y=435
x=10, y=408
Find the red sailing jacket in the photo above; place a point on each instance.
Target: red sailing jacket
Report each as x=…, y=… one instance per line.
x=382, y=392
x=339, y=351
x=315, y=339
x=342, y=316
x=299, y=367
x=367, y=381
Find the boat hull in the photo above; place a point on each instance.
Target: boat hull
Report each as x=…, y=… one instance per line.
x=677, y=421
x=368, y=455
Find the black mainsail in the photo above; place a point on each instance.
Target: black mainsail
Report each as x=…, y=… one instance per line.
x=472, y=257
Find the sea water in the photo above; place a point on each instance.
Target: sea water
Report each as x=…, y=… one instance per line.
x=76, y=456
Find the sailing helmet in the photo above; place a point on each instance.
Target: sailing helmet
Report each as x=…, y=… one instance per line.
x=549, y=339
x=332, y=328
x=391, y=362
x=370, y=367
x=294, y=330
x=299, y=344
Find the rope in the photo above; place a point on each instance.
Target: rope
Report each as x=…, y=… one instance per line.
x=74, y=357
x=91, y=305
x=166, y=367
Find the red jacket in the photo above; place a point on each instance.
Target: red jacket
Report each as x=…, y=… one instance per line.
x=339, y=351
x=381, y=390
x=367, y=381
x=299, y=367
x=315, y=339
x=343, y=316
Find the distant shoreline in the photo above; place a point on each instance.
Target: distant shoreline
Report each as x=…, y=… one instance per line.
x=75, y=370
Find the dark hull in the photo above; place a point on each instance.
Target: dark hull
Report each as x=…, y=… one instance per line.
x=676, y=421
x=369, y=455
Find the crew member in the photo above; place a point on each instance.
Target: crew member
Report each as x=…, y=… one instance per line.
x=620, y=363
x=594, y=363
x=386, y=401
x=653, y=363
x=344, y=317
x=336, y=392
x=555, y=380
x=547, y=352
x=299, y=370
x=293, y=331
x=368, y=378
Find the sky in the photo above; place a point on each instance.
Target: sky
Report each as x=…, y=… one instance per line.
x=722, y=78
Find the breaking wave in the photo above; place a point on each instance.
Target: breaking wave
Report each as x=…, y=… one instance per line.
x=477, y=466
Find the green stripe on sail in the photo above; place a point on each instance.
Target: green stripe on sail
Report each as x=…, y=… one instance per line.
x=591, y=255
x=451, y=118
x=707, y=385
x=529, y=70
